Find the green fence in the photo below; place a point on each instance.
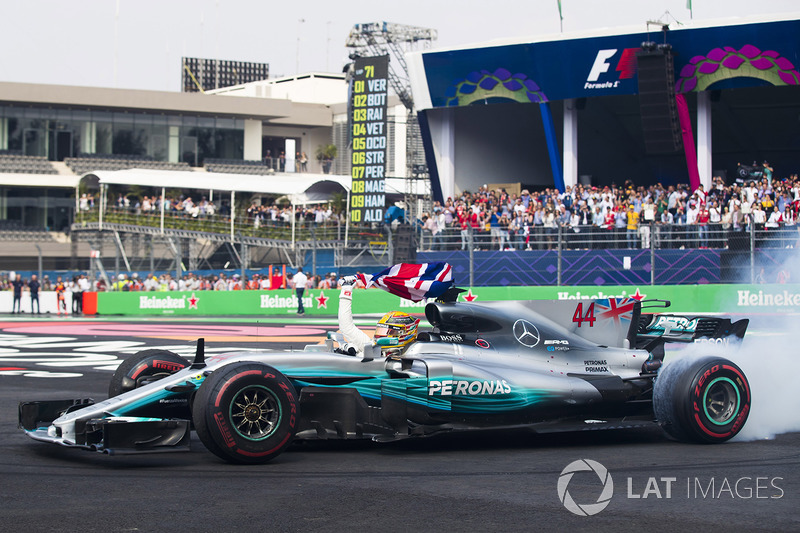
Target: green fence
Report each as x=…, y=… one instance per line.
x=724, y=299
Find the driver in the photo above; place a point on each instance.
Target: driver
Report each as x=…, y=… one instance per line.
x=395, y=324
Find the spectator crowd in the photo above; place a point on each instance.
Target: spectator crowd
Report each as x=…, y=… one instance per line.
x=279, y=279
x=625, y=216
x=581, y=217
x=259, y=215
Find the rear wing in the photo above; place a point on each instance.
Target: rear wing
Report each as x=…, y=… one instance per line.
x=655, y=328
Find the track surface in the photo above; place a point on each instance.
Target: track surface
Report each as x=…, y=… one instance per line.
x=486, y=482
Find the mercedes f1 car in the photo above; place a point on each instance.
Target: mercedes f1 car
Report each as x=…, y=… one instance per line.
x=544, y=365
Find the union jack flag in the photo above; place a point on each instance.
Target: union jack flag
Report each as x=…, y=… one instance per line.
x=617, y=308
x=411, y=281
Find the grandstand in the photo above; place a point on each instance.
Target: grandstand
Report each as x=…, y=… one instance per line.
x=232, y=166
x=86, y=163
x=27, y=164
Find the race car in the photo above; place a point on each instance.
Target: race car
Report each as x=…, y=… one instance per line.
x=544, y=365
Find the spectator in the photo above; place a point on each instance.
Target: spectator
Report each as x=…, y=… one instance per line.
x=702, y=220
x=299, y=281
x=632, y=226
x=77, y=296
x=773, y=225
x=324, y=283
x=61, y=299
x=33, y=287
x=767, y=172
x=496, y=231
x=648, y=214
x=18, y=285
x=550, y=223
x=789, y=227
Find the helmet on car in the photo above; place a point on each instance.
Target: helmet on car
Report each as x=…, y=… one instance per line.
x=398, y=325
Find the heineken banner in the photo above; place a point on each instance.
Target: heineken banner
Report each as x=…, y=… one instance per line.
x=716, y=299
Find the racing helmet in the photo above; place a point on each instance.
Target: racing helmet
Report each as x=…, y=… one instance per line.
x=398, y=325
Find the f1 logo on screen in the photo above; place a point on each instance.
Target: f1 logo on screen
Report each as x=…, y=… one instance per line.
x=626, y=66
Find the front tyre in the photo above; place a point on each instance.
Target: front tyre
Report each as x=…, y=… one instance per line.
x=144, y=367
x=705, y=400
x=246, y=413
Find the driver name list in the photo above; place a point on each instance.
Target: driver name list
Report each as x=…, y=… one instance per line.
x=368, y=114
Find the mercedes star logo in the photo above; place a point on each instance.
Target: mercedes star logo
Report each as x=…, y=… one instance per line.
x=526, y=333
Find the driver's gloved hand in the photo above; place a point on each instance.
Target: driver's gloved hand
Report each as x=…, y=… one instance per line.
x=348, y=280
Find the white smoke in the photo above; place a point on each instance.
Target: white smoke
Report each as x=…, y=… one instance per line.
x=768, y=356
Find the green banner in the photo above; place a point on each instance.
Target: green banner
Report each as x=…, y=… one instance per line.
x=717, y=299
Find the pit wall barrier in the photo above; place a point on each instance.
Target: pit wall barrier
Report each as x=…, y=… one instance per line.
x=717, y=299
x=48, y=302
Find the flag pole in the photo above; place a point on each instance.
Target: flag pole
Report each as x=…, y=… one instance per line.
x=561, y=17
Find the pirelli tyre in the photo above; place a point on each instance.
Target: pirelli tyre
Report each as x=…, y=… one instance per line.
x=144, y=367
x=702, y=400
x=246, y=413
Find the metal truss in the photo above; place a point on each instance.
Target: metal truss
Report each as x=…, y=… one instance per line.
x=381, y=38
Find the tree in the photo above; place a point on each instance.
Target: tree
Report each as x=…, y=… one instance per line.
x=326, y=154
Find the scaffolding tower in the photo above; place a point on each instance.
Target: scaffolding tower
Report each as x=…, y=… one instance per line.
x=386, y=38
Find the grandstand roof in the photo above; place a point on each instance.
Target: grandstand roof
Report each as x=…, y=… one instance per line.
x=279, y=110
x=16, y=179
x=303, y=187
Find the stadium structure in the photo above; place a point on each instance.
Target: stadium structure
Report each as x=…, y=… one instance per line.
x=662, y=102
x=229, y=145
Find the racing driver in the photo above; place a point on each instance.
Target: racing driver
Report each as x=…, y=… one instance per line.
x=395, y=324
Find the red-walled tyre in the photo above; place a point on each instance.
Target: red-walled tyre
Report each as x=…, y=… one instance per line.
x=246, y=413
x=705, y=400
x=144, y=367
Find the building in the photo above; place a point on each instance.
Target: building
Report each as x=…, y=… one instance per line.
x=51, y=137
x=576, y=108
x=60, y=128
x=201, y=75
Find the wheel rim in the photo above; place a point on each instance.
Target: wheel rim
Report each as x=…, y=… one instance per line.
x=255, y=413
x=721, y=401
x=149, y=378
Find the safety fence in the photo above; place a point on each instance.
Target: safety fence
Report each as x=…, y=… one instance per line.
x=652, y=254
x=737, y=299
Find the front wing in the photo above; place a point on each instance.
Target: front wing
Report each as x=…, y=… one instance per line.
x=111, y=435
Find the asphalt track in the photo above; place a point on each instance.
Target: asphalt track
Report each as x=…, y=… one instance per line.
x=487, y=482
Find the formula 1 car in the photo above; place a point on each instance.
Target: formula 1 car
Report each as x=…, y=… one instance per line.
x=544, y=365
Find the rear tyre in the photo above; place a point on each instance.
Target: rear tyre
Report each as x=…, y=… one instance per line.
x=246, y=413
x=144, y=367
x=705, y=400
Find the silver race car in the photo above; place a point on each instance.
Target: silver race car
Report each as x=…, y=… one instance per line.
x=544, y=365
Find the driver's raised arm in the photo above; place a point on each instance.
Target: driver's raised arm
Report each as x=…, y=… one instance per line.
x=352, y=334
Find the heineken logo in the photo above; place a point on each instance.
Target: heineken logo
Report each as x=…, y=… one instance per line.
x=163, y=302
x=768, y=299
x=283, y=302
